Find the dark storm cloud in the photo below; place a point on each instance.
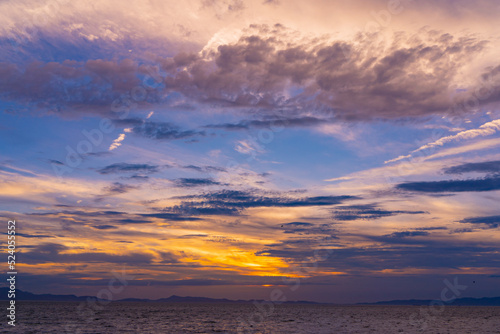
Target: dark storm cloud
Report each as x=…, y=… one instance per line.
x=366, y=211
x=473, y=185
x=128, y=168
x=481, y=167
x=488, y=221
x=301, y=82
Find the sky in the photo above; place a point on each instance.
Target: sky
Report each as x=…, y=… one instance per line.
x=335, y=151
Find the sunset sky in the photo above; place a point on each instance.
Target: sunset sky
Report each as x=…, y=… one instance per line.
x=340, y=151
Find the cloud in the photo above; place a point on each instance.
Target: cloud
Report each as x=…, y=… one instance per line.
x=138, y=177
x=249, y=199
x=248, y=147
x=117, y=218
x=104, y=227
x=192, y=209
x=489, y=221
x=406, y=234
x=69, y=86
x=53, y=252
x=123, y=167
x=366, y=211
x=359, y=86
x=57, y=162
x=78, y=213
x=192, y=182
x=472, y=185
x=98, y=154
x=277, y=122
x=25, y=235
x=435, y=254
x=433, y=228
x=117, y=142
x=484, y=130
x=302, y=228
x=270, y=70
x=232, y=203
x=119, y=188
x=404, y=238
x=204, y=169
x=297, y=224
x=481, y=167
x=164, y=131
x=126, y=221
x=169, y=216
x=158, y=130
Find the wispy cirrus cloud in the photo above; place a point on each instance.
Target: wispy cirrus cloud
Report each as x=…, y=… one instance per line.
x=246, y=146
x=484, y=130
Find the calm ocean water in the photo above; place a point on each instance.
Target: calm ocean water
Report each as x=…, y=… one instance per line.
x=70, y=317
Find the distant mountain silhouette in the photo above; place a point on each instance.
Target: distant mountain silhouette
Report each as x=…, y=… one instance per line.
x=24, y=295
x=486, y=301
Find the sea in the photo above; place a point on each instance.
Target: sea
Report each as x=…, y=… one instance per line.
x=152, y=317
